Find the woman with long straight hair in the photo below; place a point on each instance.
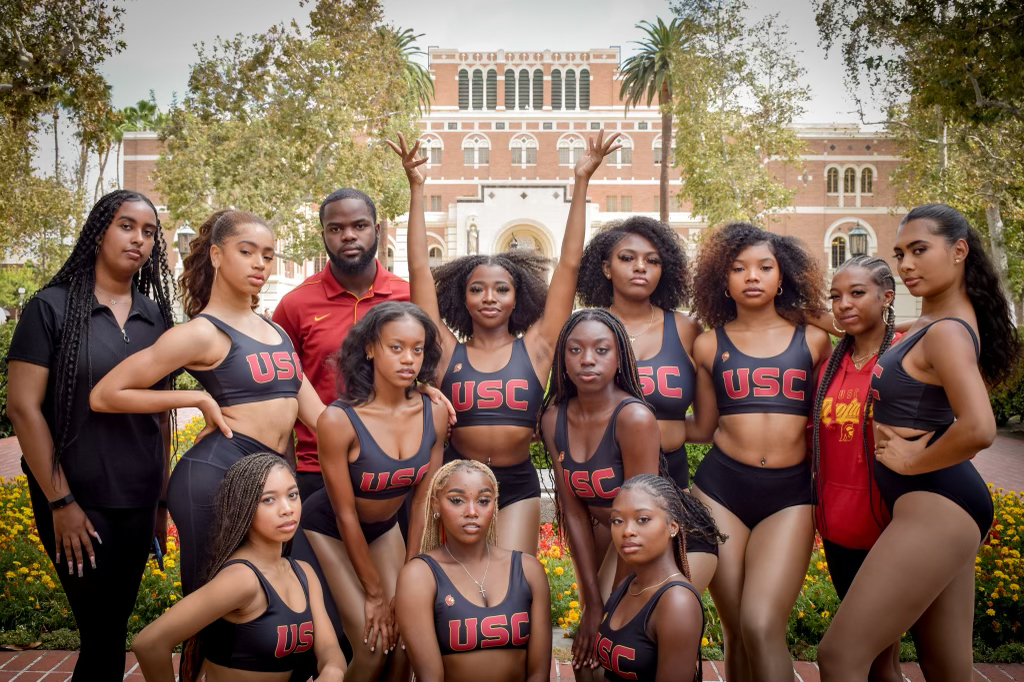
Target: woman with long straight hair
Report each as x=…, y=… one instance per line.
x=379, y=445
x=597, y=431
x=97, y=481
x=637, y=269
x=508, y=319
x=931, y=416
x=755, y=388
x=459, y=628
x=849, y=512
x=644, y=634
x=255, y=614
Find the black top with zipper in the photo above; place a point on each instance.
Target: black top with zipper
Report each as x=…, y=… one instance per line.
x=110, y=460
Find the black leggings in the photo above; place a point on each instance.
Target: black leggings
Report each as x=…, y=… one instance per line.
x=191, y=492
x=102, y=599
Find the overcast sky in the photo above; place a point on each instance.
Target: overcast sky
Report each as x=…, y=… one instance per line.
x=161, y=35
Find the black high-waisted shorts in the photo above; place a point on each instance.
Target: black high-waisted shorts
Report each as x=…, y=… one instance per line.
x=679, y=469
x=318, y=516
x=516, y=483
x=752, y=493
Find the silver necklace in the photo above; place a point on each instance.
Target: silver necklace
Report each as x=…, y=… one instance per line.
x=113, y=301
x=479, y=583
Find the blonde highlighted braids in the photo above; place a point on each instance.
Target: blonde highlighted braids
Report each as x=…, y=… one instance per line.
x=433, y=533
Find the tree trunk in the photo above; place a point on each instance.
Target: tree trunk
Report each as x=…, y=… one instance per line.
x=56, y=145
x=1018, y=308
x=382, y=243
x=666, y=152
x=997, y=238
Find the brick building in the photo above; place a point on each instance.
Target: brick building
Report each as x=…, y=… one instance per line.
x=506, y=128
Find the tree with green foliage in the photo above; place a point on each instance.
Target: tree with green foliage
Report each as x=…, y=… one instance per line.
x=275, y=121
x=416, y=75
x=948, y=77
x=647, y=75
x=50, y=55
x=738, y=92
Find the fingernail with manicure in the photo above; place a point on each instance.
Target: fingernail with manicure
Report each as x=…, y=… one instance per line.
x=92, y=561
x=79, y=570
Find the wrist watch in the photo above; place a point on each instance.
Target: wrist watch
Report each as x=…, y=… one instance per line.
x=61, y=502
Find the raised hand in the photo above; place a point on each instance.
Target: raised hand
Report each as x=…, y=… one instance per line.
x=410, y=161
x=597, y=149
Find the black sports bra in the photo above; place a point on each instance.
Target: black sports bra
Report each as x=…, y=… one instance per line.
x=375, y=473
x=252, y=371
x=461, y=625
x=902, y=400
x=629, y=653
x=668, y=380
x=271, y=641
x=780, y=384
x=512, y=395
x=597, y=479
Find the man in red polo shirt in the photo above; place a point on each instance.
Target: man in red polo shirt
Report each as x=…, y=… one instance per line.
x=319, y=312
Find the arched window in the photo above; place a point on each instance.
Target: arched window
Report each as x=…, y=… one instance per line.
x=624, y=156
x=524, y=89
x=538, y=89
x=524, y=150
x=434, y=256
x=430, y=147
x=492, y=89
x=849, y=181
x=656, y=146
x=832, y=181
x=570, y=149
x=556, y=90
x=463, y=89
x=390, y=264
x=570, y=90
x=584, y=89
x=478, y=90
x=838, y=251
x=867, y=181
x=476, y=150
x=510, y=89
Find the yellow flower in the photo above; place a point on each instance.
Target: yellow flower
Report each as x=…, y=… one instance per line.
x=559, y=570
x=10, y=574
x=168, y=563
x=574, y=604
x=22, y=570
x=991, y=612
x=824, y=614
x=546, y=571
x=820, y=565
x=703, y=641
x=543, y=561
x=573, y=586
x=800, y=614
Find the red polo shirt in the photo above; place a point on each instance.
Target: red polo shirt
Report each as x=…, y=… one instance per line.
x=317, y=316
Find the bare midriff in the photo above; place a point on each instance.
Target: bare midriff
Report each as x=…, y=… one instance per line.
x=763, y=439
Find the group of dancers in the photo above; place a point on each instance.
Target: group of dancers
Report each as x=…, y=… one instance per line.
x=411, y=525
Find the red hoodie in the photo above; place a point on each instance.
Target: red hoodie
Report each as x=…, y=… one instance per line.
x=847, y=494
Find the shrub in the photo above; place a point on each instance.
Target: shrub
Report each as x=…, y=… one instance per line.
x=565, y=604
x=6, y=332
x=998, y=611
x=1008, y=402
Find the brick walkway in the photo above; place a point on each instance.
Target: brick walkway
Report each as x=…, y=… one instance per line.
x=56, y=666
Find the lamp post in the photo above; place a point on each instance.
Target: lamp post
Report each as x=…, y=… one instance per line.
x=185, y=235
x=858, y=240
x=21, y=300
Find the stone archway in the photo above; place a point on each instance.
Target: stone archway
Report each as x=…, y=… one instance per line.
x=524, y=234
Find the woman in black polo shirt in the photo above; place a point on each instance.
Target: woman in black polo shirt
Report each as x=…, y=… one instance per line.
x=95, y=479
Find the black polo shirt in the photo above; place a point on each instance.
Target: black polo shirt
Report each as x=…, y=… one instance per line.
x=110, y=460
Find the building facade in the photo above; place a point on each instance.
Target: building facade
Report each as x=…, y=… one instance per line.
x=506, y=128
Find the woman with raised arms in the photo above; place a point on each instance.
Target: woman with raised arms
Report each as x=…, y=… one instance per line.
x=509, y=321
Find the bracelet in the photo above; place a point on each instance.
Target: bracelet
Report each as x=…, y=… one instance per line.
x=62, y=502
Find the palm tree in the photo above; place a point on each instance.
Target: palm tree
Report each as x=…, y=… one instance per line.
x=646, y=74
x=416, y=75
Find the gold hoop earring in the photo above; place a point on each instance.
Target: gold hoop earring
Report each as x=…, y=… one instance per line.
x=727, y=294
x=779, y=292
x=843, y=331
x=888, y=315
x=437, y=515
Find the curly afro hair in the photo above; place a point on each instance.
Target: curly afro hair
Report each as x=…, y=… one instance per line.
x=803, y=280
x=674, y=288
x=528, y=270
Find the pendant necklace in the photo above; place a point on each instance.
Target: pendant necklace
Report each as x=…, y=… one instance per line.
x=650, y=587
x=479, y=583
x=113, y=301
x=634, y=337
